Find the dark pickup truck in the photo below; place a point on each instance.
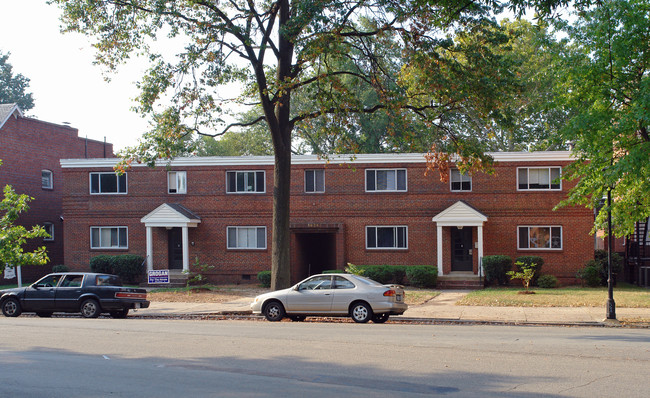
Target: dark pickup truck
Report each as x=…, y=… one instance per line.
x=90, y=294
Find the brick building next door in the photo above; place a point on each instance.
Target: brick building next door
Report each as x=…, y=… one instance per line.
x=461, y=249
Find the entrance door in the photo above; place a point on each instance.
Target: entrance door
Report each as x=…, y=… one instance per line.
x=316, y=252
x=461, y=249
x=175, y=239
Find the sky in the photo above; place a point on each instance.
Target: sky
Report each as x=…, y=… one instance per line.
x=66, y=86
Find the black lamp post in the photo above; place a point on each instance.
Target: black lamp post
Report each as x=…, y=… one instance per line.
x=611, y=305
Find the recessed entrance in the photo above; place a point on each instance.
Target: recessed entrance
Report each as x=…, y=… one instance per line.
x=315, y=253
x=175, y=239
x=461, y=249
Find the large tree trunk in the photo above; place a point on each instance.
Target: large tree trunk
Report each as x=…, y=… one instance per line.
x=281, y=252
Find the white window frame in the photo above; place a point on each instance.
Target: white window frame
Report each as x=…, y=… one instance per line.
x=246, y=173
x=100, y=228
x=50, y=179
x=238, y=228
x=176, y=182
x=395, y=228
x=462, y=178
x=550, y=179
x=117, y=183
x=49, y=225
x=550, y=230
x=314, y=178
x=396, y=181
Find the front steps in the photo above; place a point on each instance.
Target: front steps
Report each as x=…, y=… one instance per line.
x=460, y=280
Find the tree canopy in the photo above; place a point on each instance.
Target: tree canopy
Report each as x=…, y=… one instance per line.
x=13, y=88
x=607, y=78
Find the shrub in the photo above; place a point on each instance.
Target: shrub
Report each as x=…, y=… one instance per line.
x=383, y=274
x=265, y=278
x=590, y=275
x=422, y=275
x=600, y=262
x=528, y=261
x=129, y=267
x=547, y=281
x=495, y=268
x=526, y=273
x=60, y=268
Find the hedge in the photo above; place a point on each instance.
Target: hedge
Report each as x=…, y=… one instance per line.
x=265, y=278
x=129, y=267
x=495, y=268
x=422, y=275
x=383, y=274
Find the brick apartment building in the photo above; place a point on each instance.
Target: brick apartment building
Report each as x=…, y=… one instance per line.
x=375, y=209
x=30, y=150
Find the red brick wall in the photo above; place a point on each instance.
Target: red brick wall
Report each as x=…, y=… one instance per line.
x=28, y=146
x=345, y=206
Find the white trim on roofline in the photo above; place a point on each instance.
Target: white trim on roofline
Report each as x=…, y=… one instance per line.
x=387, y=158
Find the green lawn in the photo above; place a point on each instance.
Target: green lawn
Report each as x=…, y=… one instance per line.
x=625, y=296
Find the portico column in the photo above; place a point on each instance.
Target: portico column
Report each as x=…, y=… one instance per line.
x=186, y=250
x=149, y=249
x=439, y=248
x=480, y=249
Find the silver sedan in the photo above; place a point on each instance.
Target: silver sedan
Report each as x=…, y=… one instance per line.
x=333, y=295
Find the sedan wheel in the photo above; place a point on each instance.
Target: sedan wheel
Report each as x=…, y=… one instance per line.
x=380, y=318
x=361, y=312
x=11, y=307
x=274, y=311
x=90, y=308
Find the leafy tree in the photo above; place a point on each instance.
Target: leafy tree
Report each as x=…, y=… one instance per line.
x=607, y=77
x=13, y=87
x=13, y=237
x=327, y=51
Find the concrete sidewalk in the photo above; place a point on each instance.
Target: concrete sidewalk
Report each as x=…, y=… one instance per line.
x=442, y=308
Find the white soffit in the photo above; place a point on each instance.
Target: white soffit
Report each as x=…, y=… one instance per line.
x=167, y=215
x=460, y=214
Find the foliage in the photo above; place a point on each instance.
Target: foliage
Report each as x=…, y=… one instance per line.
x=495, y=268
x=13, y=87
x=547, y=281
x=596, y=275
x=590, y=275
x=526, y=273
x=264, y=277
x=60, y=268
x=129, y=267
x=530, y=260
x=13, y=237
x=383, y=274
x=195, y=275
x=606, y=75
x=422, y=275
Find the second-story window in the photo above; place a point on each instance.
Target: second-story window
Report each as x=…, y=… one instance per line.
x=47, y=180
x=460, y=181
x=177, y=182
x=539, y=178
x=107, y=183
x=386, y=180
x=314, y=180
x=245, y=182
x=49, y=228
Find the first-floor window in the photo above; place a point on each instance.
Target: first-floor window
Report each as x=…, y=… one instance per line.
x=49, y=228
x=386, y=237
x=246, y=237
x=108, y=238
x=540, y=237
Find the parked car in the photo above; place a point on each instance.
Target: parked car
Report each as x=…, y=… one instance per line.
x=333, y=295
x=88, y=293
